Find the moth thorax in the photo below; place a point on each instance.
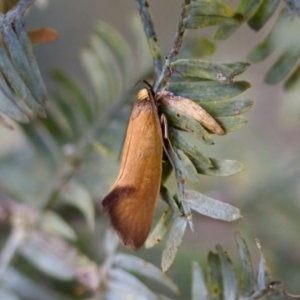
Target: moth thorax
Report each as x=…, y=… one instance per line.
x=143, y=95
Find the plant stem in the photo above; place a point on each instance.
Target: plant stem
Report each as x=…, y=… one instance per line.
x=166, y=74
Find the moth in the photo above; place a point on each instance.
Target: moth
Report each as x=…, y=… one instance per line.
x=132, y=200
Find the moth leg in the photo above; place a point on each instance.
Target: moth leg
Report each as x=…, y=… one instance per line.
x=165, y=125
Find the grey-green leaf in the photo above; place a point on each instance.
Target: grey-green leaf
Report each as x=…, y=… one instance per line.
x=246, y=8
x=45, y=259
x=202, y=69
x=8, y=107
x=227, y=108
x=247, y=281
x=237, y=67
x=184, y=122
x=268, y=45
x=179, y=141
x=215, y=277
x=263, y=14
x=284, y=64
x=232, y=123
x=137, y=265
x=199, y=289
x=263, y=275
x=293, y=80
x=221, y=167
x=230, y=282
x=207, y=90
x=7, y=294
x=54, y=224
x=21, y=32
x=209, y=8
x=195, y=22
x=188, y=169
x=129, y=286
x=161, y=229
x=21, y=63
x=76, y=195
x=211, y=207
x=173, y=242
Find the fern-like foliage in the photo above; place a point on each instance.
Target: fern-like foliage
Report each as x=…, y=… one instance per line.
x=22, y=90
x=69, y=158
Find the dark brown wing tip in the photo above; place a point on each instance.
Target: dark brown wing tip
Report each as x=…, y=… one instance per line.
x=116, y=195
x=130, y=236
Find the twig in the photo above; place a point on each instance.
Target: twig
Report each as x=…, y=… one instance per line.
x=19, y=10
x=165, y=74
x=151, y=36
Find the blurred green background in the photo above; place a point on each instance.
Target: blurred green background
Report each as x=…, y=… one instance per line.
x=267, y=191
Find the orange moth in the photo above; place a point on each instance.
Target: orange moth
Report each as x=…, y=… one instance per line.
x=192, y=109
x=132, y=200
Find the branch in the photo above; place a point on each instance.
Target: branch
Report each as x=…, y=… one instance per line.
x=165, y=74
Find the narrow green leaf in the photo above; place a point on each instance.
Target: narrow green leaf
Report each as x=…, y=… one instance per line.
x=118, y=45
x=196, y=22
x=293, y=80
x=171, y=201
x=215, y=277
x=196, y=47
x=173, y=242
x=7, y=294
x=263, y=14
x=28, y=289
x=44, y=257
x=230, y=282
x=139, y=266
x=188, y=169
x=247, y=281
x=76, y=195
x=44, y=142
x=21, y=63
x=8, y=106
x=211, y=207
x=180, y=142
x=54, y=224
x=10, y=248
x=129, y=285
x=293, y=5
x=268, y=45
x=110, y=242
x=57, y=123
x=76, y=121
x=221, y=167
x=161, y=229
x=21, y=32
x=17, y=84
x=238, y=67
x=73, y=91
x=263, y=275
x=208, y=90
x=282, y=66
x=233, y=123
x=209, y=8
x=184, y=122
x=202, y=69
x=227, y=108
x=246, y=8
x=199, y=289
x=96, y=76
x=105, y=61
